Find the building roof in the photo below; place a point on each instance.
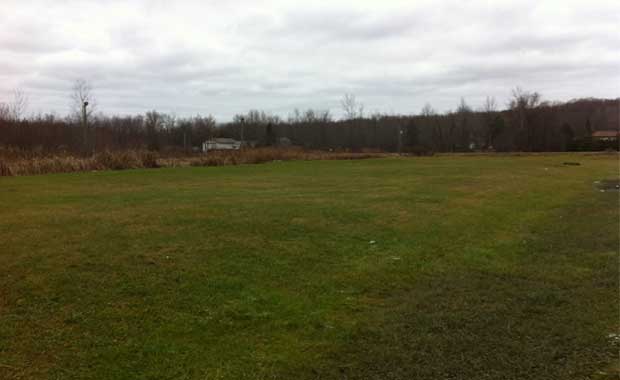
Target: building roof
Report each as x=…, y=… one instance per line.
x=223, y=140
x=608, y=133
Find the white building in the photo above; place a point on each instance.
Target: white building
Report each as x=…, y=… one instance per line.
x=221, y=144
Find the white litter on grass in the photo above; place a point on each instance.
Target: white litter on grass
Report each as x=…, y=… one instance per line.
x=602, y=191
x=615, y=338
x=395, y=258
x=597, y=181
x=372, y=242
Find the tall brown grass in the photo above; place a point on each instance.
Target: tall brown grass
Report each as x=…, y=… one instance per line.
x=262, y=155
x=16, y=163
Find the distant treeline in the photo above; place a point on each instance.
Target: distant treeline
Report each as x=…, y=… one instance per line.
x=544, y=127
x=527, y=125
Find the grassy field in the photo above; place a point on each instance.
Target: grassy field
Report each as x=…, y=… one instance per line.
x=399, y=268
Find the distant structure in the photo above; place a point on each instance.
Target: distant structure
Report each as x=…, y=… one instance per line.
x=284, y=142
x=221, y=144
x=609, y=135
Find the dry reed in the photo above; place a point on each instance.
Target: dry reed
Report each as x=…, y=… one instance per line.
x=17, y=163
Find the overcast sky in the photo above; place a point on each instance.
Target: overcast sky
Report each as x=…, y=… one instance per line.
x=225, y=57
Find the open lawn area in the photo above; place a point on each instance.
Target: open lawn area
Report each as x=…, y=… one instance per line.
x=448, y=267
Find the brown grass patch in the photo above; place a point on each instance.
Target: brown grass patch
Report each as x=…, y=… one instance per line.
x=17, y=163
x=262, y=155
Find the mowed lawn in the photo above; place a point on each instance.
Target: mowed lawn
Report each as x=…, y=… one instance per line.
x=451, y=267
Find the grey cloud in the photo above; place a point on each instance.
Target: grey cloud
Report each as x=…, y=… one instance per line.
x=347, y=25
x=226, y=57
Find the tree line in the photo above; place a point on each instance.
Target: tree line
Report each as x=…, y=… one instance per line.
x=527, y=124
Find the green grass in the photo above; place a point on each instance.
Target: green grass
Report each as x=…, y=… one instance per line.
x=482, y=268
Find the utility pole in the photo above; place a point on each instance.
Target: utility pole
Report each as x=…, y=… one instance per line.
x=400, y=139
x=85, y=125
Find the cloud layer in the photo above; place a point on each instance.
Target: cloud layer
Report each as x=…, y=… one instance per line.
x=225, y=57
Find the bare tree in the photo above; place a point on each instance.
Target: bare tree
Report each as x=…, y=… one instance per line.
x=427, y=110
x=463, y=107
x=491, y=126
x=522, y=104
x=309, y=116
x=323, y=116
x=169, y=121
x=203, y=126
x=83, y=106
x=19, y=104
x=489, y=105
x=154, y=123
x=351, y=107
x=81, y=93
x=257, y=117
x=5, y=113
x=523, y=101
x=463, y=112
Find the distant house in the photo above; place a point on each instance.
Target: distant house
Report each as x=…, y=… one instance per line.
x=221, y=144
x=285, y=142
x=609, y=135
